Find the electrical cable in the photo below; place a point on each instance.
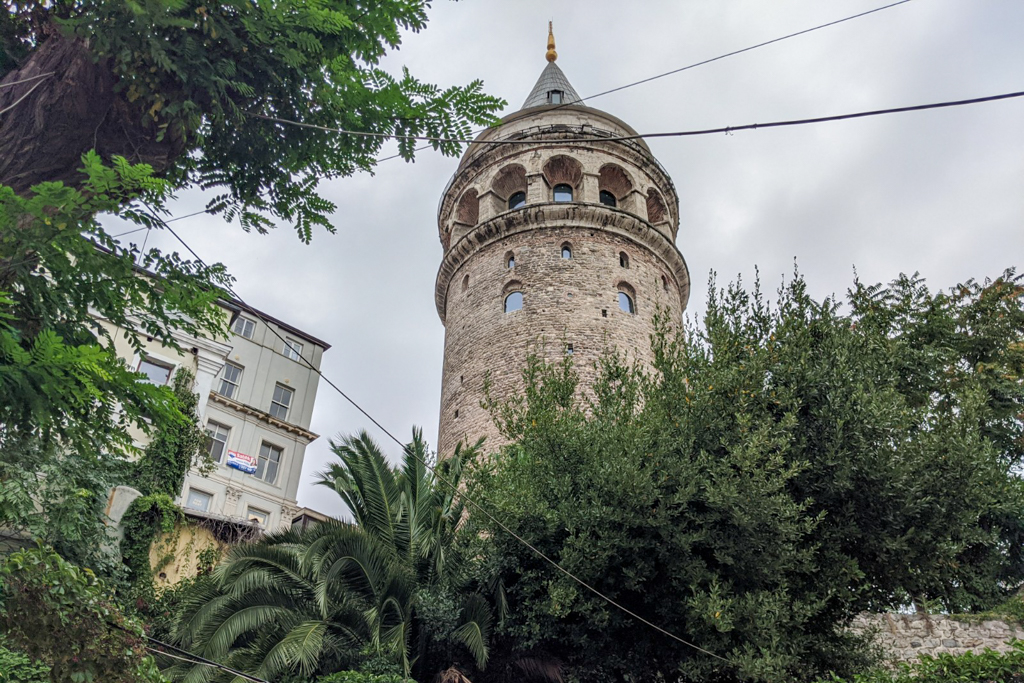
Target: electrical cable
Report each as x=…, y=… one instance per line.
x=27, y=80
x=671, y=134
x=196, y=659
x=455, y=489
x=18, y=101
x=692, y=66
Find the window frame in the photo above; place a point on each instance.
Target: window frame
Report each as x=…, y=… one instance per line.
x=274, y=402
x=512, y=197
x=251, y=327
x=224, y=380
x=251, y=517
x=290, y=351
x=263, y=463
x=556, y=96
x=567, y=249
x=156, y=363
x=211, y=437
x=556, y=189
x=209, y=499
x=607, y=198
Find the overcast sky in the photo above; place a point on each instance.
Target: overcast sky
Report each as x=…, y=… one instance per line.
x=939, y=192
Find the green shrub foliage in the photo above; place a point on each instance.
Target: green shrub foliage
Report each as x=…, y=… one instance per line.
x=782, y=469
x=971, y=667
x=64, y=618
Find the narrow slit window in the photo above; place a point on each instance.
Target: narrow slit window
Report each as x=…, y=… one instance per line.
x=517, y=200
x=626, y=303
x=513, y=302
x=510, y=260
x=623, y=259
x=568, y=349
x=563, y=193
x=566, y=251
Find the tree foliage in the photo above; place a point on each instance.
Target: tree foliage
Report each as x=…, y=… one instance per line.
x=186, y=86
x=395, y=587
x=971, y=667
x=63, y=617
x=782, y=469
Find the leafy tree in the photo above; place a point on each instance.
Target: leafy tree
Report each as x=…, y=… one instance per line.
x=395, y=587
x=185, y=86
x=782, y=469
x=63, y=617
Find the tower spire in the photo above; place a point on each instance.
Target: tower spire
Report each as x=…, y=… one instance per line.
x=551, y=55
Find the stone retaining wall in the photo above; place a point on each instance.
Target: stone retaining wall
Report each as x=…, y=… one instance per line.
x=907, y=636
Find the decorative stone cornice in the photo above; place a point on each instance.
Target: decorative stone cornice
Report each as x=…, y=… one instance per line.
x=265, y=417
x=560, y=215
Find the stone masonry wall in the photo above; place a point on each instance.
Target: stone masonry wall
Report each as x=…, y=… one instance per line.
x=904, y=637
x=565, y=301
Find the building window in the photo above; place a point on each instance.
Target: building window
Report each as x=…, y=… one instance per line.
x=259, y=516
x=568, y=349
x=607, y=198
x=626, y=303
x=216, y=440
x=566, y=251
x=281, y=401
x=198, y=500
x=555, y=97
x=292, y=349
x=230, y=378
x=513, y=302
x=510, y=260
x=243, y=327
x=563, y=193
x=465, y=283
x=269, y=462
x=623, y=259
x=156, y=372
x=664, y=283
x=517, y=200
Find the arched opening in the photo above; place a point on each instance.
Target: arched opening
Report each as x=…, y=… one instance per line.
x=626, y=303
x=664, y=283
x=468, y=211
x=510, y=260
x=566, y=250
x=513, y=301
x=655, y=207
x=563, y=170
x=465, y=283
x=510, y=186
x=623, y=259
x=613, y=184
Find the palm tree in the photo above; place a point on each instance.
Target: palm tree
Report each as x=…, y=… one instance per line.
x=397, y=584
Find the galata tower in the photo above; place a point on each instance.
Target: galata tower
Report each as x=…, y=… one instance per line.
x=559, y=242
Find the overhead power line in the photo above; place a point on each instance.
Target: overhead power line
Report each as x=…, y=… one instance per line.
x=696, y=64
x=671, y=134
x=455, y=489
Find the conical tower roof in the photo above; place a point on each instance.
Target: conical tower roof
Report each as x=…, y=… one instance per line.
x=551, y=80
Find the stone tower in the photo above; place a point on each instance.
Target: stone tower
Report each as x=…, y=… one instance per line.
x=560, y=242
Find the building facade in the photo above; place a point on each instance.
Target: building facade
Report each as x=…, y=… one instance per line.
x=558, y=242
x=256, y=394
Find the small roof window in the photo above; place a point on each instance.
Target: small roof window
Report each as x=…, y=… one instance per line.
x=555, y=97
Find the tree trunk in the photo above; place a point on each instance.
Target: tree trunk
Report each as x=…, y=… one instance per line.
x=44, y=135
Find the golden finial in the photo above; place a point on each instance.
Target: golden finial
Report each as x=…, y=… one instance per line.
x=552, y=55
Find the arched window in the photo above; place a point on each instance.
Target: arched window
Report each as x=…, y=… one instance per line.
x=626, y=303
x=517, y=200
x=664, y=283
x=513, y=302
x=465, y=283
x=510, y=260
x=566, y=251
x=623, y=259
x=607, y=198
x=563, y=193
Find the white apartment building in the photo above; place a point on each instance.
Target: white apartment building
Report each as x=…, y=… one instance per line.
x=256, y=394
x=257, y=419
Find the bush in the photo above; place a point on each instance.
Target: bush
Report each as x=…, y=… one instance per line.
x=986, y=667
x=63, y=616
